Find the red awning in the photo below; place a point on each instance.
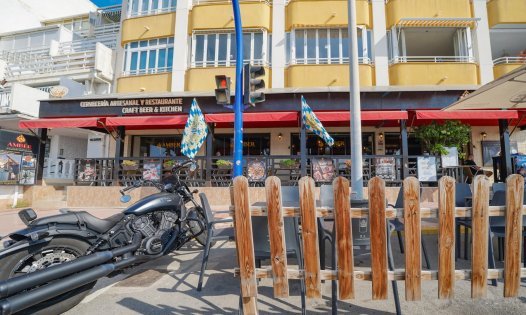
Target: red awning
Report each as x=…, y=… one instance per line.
x=256, y=120
x=62, y=123
x=466, y=114
x=339, y=116
x=147, y=121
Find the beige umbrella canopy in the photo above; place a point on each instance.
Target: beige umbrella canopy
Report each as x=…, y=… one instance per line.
x=507, y=92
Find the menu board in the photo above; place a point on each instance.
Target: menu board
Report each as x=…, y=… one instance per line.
x=450, y=159
x=256, y=170
x=386, y=168
x=427, y=168
x=322, y=170
x=18, y=159
x=151, y=170
x=87, y=171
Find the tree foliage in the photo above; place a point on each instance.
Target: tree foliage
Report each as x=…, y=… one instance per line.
x=436, y=137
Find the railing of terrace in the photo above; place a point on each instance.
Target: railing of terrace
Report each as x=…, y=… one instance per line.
x=217, y=171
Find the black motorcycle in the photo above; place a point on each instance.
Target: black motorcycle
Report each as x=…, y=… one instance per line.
x=152, y=227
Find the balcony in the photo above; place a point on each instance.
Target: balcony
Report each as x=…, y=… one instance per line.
x=217, y=14
x=331, y=13
x=202, y=79
x=326, y=75
x=502, y=12
x=435, y=70
x=403, y=9
x=157, y=82
x=503, y=65
x=147, y=27
x=5, y=101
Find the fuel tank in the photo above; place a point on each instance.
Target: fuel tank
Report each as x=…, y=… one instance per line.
x=156, y=202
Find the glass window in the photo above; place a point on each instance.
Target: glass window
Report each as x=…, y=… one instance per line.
x=323, y=44
x=392, y=143
x=334, y=44
x=219, y=53
x=145, y=7
x=342, y=144
x=311, y=46
x=253, y=144
x=345, y=46
x=160, y=146
x=299, y=44
x=151, y=56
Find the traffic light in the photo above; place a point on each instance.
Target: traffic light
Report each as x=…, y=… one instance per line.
x=252, y=84
x=222, y=91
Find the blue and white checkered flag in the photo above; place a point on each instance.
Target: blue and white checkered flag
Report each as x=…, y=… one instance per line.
x=195, y=131
x=312, y=123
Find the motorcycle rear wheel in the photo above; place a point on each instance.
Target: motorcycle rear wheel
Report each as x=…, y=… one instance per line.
x=41, y=256
x=194, y=226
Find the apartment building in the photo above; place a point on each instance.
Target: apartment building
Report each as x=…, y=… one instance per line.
x=48, y=49
x=413, y=54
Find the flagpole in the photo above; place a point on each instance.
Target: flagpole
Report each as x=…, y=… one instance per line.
x=238, y=103
x=303, y=144
x=355, y=107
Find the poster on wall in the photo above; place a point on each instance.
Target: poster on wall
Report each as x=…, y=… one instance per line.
x=427, y=168
x=386, y=168
x=18, y=152
x=86, y=171
x=492, y=148
x=322, y=170
x=9, y=167
x=450, y=159
x=152, y=170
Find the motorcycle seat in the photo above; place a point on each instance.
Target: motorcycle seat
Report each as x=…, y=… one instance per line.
x=92, y=222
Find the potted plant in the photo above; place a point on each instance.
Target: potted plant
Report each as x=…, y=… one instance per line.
x=224, y=164
x=129, y=165
x=437, y=137
x=288, y=163
x=168, y=164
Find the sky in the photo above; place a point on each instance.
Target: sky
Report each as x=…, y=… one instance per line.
x=105, y=3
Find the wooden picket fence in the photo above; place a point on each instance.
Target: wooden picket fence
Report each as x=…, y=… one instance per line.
x=377, y=213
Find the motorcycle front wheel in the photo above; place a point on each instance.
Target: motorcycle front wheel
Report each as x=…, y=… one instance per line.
x=41, y=256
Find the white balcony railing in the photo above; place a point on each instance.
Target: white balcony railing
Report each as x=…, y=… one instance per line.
x=146, y=71
x=53, y=64
x=198, y=2
x=59, y=169
x=504, y=60
x=227, y=63
x=431, y=59
x=327, y=61
x=5, y=101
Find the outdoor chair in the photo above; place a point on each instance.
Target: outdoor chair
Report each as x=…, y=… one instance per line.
x=462, y=191
x=327, y=200
x=397, y=226
x=260, y=234
x=214, y=234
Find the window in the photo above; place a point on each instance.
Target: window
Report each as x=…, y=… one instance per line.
x=160, y=146
x=147, y=7
x=342, y=144
x=253, y=144
x=219, y=50
x=149, y=56
x=430, y=44
x=326, y=46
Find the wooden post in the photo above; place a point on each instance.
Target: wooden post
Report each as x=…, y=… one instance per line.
x=480, y=222
x=344, y=244
x=512, y=249
x=412, y=229
x=278, y=252
x=245, y=245
x=378, y=238
x=446, y=238
x=310, y=237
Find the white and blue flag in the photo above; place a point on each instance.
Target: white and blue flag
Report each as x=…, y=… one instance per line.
x=312, y=123
x=195, y=131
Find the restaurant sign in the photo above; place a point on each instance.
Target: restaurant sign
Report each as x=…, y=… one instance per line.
x=139, y=106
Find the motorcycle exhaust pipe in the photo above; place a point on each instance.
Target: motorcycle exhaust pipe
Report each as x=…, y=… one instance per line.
x=14, y=285
x=27, y=299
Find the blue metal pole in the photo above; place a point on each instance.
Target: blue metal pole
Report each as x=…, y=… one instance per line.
x=238, y=103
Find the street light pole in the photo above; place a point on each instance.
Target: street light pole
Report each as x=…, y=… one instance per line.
x=238, y=103
x=355, y=108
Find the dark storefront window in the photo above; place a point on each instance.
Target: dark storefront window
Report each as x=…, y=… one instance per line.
x=342, y=144
x=415, y=145
x=392, y=143
x=253, y=144
x=160, y=146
